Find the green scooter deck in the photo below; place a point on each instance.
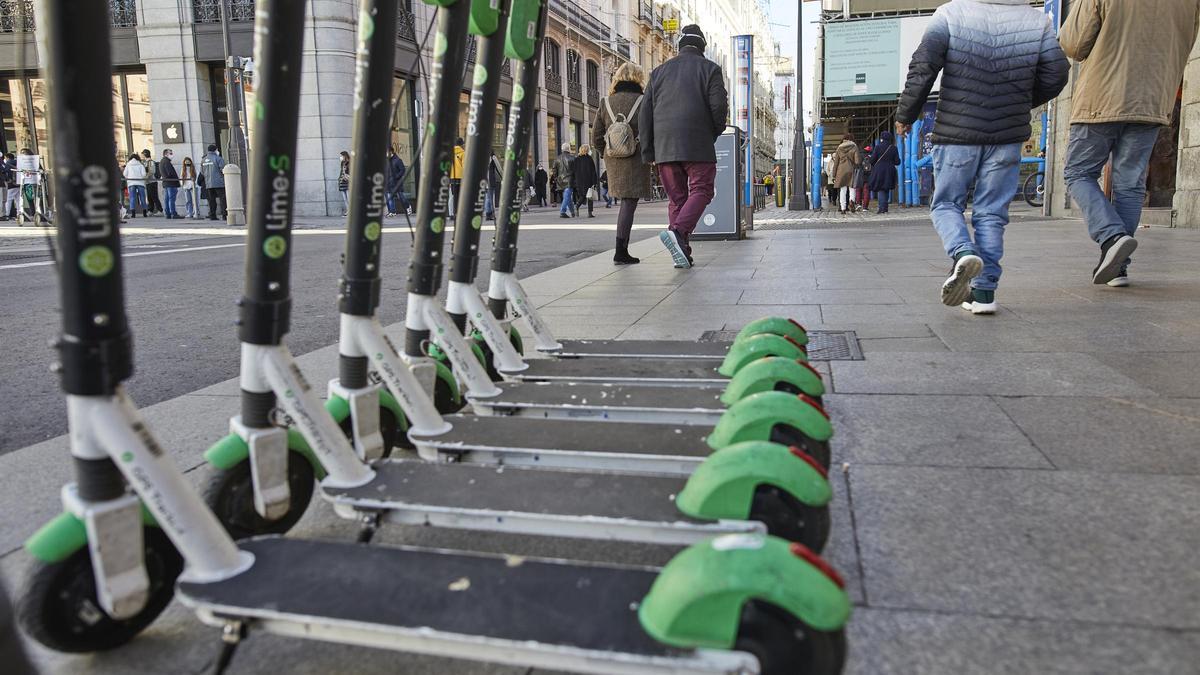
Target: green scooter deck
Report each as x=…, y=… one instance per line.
x=583, y=444
x=548, y=613
x=671, y=372
x=641, y=349
x=611, y=402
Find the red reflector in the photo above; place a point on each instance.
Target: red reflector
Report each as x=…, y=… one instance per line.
x=801, y=551
x=792, y=340
x=809, y=400
x=797, y=325
x=811, y=462
x=808, y=365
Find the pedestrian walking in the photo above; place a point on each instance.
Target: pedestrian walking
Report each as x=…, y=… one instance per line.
x=564, y=176
x=861, y=177
x=1133, y=55
x=212, y=173
x=343, y=181
x=769, y=184
x=540, y=177
x=170, y=183
x=135, y=179
x=153, y=176
x=831, y=193
x=494, y=175
x=608, y=202
x=628, y=174
x=12, y=186
x=1005, y=48
x=587, y=179
x=845, y=162
x=684, y=112
x=394, y=182
x=187, y=183
x=883, y=178
x=456, y=173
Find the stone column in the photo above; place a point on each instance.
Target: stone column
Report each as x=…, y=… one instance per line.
x=1187, y=194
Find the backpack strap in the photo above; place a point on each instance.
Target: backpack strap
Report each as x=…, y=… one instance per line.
x=608, y=106
x=634, y=108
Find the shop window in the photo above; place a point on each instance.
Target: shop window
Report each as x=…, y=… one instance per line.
x=403, y=137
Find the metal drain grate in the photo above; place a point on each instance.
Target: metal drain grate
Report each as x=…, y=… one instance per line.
x=834, y=345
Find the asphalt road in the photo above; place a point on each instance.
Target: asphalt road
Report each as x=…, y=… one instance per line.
x=181, y=307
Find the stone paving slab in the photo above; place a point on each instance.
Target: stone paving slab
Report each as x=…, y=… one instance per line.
x=1057, y=545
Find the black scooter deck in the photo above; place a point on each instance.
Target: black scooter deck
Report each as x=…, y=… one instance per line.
x=409, y=591
x=679, y=372
x=614, y=402
x=663, y=448
x=533, y=490
x=642, y=349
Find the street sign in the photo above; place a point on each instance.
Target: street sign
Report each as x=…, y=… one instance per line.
x=670, y=25
x=172, y=132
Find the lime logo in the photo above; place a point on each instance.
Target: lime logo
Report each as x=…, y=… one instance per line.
x=444, y=166
x=366, y=26
x=478, y=315
x=429, y=129
x=260, y=111
x=481, y=75
x=437, y=225
x=127, y=457
x=372, y=231
x=288, y=394
x=439, y=45
x=275, y=246
x=96, y=261
x=477, y=222
x=510, y=154
x=518, y=93
x=514, y=218
x=441, y=331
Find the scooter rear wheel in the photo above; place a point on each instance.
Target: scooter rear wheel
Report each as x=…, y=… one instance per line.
x=230, y=495
x=60, y=610
x=784, y=645
x=788, y=518
x=786, y=434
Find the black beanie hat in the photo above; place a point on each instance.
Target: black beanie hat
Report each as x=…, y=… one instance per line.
x=692, y=36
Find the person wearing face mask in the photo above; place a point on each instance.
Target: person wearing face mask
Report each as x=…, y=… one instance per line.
x=170, y=183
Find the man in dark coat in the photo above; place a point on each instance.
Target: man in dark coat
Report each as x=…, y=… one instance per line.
x=394, y=182
x=170, y=182
x=882, y=179
x=540, y=179
x=998, y=60
x=684, y=111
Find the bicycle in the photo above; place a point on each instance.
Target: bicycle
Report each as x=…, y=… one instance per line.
x=1034, y=190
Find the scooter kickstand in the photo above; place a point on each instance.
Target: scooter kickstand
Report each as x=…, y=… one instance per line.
x=370, y=525
x=232, y=634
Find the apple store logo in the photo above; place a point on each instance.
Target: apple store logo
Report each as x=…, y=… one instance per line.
x=172, y=132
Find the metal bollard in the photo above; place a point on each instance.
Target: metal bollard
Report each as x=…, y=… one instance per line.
x=235, y=206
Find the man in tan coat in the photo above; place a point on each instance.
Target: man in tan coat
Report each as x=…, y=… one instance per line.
x=1133, y=54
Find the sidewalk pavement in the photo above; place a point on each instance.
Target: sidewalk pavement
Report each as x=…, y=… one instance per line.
x=1014, y=494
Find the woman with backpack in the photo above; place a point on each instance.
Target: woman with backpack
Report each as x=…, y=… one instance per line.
x=884, y=160
x=343, y=181
x=615, y=137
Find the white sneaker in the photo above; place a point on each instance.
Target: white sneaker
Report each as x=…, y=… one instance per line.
x=1121, y=281
x=979, y=308
x=957, y=288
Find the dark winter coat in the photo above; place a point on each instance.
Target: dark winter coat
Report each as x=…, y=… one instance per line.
x=395, y=174
x=539, y=181
x=564, y=171
x=170, y=178
x=586, y=175
x=685, y=110
x=998, y=59
x=885, y=157
x=628, y=177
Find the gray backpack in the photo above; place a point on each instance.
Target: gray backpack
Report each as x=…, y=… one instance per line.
x=619, y=138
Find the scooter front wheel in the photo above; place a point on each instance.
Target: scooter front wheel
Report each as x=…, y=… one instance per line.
x=230, y=495
x=389, y=429
x=60, y=610
x=784, y=645
x=788, y=518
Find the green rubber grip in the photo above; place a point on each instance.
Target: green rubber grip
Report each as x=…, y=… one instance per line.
x=521, y=41
x=776, y=325
x=485, y=17
x=753, y=418
x=757, y=347
x=723, y=486
x=766, y=374
x=231, y=450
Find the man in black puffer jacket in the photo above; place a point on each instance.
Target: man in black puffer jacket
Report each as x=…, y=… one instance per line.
x=998, y=59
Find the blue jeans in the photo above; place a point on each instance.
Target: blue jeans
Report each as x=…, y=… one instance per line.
x=568, y=202
x=137, y=195
x=1090, y=146
x=169, y=196
x=190, y=202
x=882, y=198
x=995, y=170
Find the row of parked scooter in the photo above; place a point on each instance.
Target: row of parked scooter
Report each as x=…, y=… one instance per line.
x=718, y=449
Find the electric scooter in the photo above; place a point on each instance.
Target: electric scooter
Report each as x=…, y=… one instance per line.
x=733, y=604
x=747, y=487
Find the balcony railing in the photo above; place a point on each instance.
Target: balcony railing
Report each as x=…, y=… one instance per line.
x=554, y=83
x=209, y=11
x=593, y=97
x=583, y=21
x=406, y=25
x=646, y=13
x=575, y=90
x=16, y=16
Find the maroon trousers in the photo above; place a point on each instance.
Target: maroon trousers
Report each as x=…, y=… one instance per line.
x=689, y=188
